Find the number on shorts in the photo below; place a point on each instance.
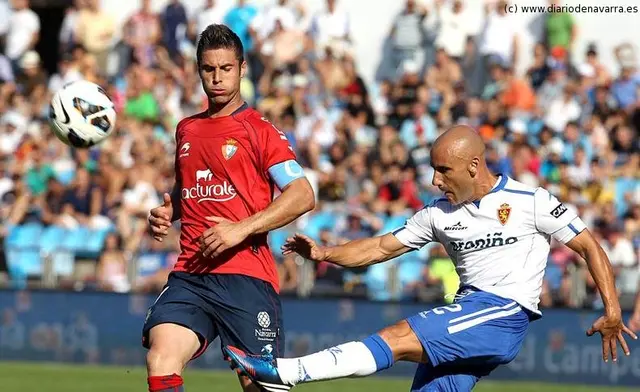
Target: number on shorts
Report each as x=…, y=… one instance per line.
x=450, y=308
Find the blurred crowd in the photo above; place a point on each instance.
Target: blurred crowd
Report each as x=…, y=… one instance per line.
x=568, y=124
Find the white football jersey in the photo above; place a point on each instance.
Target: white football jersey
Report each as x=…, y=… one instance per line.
x=500, y=243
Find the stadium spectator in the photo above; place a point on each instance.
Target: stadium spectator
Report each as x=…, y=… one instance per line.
x=569, y=122
x=408, y=35
x=453, y=28
x=95, y=30
x=500, y=36
x=68, y=32
x=560, y=28
x=23, y=32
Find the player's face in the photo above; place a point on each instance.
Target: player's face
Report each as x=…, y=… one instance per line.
x=451, y=175
x=221, y=72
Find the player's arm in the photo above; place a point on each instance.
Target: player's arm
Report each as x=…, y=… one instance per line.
x=585, y=245
x=563, y=224
x=367, y=251
x=555, y=219
x=296, y=199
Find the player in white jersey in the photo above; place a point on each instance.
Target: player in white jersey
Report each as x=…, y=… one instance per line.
x=497, y=231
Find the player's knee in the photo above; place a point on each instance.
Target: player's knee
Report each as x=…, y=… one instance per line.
x=403, y=342
x=170, y=348
x=161, y=361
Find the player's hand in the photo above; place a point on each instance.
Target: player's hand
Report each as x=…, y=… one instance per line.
x=634, y=322
x=160, y=219
x=305, y=247
x=611, y=329
x=221, y=236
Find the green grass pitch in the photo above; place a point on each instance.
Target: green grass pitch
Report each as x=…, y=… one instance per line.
x=37, y=377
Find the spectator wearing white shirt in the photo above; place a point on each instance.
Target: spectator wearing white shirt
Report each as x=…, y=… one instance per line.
x=67, y=72
x=23, y=33
x=500, y=36
x=13, y=127
x=67, y=35
x=5, y=16
x=580, y=168
x=453, y=28
x=563, y=109
x=264, y=24
x=331, y=26
x=408, y=35
x=623, y=260
x=211, y=13
x=6, y=68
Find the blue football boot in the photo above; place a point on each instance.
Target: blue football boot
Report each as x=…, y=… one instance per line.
x=261, y=369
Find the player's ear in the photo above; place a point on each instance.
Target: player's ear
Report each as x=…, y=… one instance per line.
x=243, y=69
x=473, y=166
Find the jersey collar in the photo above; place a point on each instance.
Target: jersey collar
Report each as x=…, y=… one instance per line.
x=502, y=181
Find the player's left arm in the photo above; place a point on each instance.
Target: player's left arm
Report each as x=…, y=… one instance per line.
x=297, y=196
x=296, y=199
x=563, y=224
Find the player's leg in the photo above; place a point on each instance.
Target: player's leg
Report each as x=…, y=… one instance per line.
x=176, y=330
x=443, y=335
x=353, y=359
x=171, y=346
x=467, y=341
x=248, y=315
x=356, y=359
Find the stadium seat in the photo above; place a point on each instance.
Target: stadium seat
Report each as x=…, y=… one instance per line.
x=25, y=236
x=277, y=238
x=393, y=223
x=318, y=222
x=95, y=242
x=51, y=238
x=23, y=262
x=377, y=281
x=410, y=270
x=75, y=239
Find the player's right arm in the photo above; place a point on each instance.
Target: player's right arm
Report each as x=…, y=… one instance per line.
x=162, y=216
x=416, y=232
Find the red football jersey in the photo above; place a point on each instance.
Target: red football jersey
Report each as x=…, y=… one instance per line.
x=222, y=169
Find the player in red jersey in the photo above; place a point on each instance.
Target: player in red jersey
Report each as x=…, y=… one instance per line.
x=228, y=162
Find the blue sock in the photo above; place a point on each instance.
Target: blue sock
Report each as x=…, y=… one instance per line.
x=380, y=351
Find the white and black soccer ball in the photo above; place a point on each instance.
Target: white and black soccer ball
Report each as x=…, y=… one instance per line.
x=81, y=114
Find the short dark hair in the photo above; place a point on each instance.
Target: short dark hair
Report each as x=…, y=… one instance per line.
x=217, y=36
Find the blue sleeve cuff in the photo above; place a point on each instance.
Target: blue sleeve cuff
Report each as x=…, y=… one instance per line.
x=285, y=172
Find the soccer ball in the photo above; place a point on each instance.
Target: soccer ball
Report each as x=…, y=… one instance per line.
x=81, y=114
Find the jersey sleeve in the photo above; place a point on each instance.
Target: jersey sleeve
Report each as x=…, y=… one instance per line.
x=275, y=145
x=417, y=230
x=556, y=219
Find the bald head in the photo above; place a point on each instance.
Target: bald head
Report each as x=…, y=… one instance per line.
x=457, y=157
x=461, y=141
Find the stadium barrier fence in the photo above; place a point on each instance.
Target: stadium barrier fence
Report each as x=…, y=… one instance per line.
x=95, y=327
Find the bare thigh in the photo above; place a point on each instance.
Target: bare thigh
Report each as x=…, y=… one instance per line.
x=171, y=347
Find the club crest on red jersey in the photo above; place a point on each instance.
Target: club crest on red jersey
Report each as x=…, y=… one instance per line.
x=503, y=213
x=229, y=148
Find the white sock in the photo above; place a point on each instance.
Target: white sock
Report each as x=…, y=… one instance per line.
x=351, y=359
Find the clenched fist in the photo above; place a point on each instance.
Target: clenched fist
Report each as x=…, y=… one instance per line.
x=160, y=219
